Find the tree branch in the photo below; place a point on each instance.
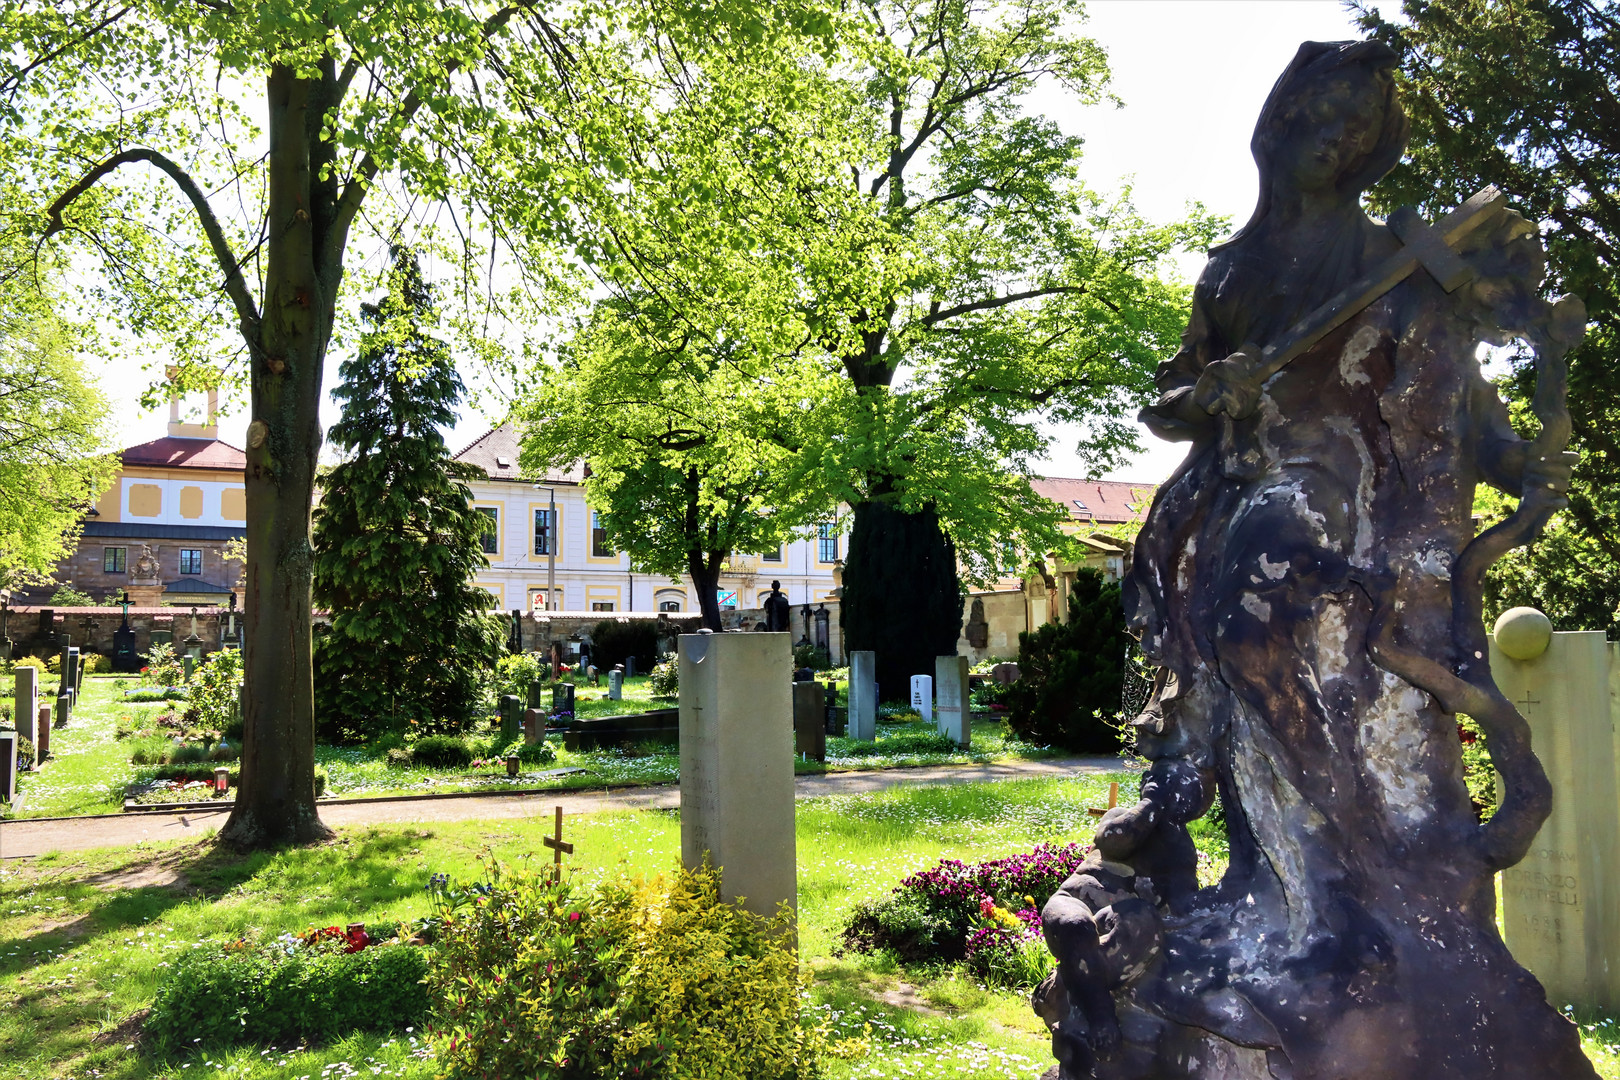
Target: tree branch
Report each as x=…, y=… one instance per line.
x=235, y=285
x=991, y=302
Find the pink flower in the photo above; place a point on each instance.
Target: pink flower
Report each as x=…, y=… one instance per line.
x=573, y=916
x=986, y=908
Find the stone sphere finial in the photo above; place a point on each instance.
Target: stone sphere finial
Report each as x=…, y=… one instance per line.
x=1523, y=633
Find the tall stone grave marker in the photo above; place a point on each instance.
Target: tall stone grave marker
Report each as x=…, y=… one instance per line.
x=809, y=721
x=8, y=765
x=511, y=717
x=737, y=765
x=862, y=695
x=954, y=711
x=1561, y=905
x=562, y=699
x=42, y=735
x=922, y=696
x=27, y=701
x=616, y=685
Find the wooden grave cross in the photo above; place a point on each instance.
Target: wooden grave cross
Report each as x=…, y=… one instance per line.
x=555, y=843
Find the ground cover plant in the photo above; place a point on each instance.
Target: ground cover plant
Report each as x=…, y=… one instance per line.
x=85, y=937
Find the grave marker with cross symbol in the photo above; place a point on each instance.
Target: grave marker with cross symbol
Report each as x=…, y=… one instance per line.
x=555, y=843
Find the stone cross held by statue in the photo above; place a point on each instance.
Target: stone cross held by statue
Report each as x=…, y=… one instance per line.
x=1423, y=245
x=559, y=849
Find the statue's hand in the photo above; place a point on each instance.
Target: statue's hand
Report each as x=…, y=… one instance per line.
x=1548, y=477
x=1229, y=385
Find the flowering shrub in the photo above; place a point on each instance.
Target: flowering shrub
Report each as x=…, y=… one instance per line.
x=1008, y=947
x=551, y=979
x=163, y=667
x=518, y=673
x=664, y=680
x=215, y=696
x=932, y=914
x=324, y=986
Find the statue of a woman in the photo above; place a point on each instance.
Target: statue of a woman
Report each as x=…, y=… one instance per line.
x=1308, y=583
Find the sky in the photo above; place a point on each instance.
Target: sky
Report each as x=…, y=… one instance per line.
x=1192, y=75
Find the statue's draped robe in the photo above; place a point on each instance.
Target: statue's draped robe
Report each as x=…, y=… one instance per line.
x=1257, y=575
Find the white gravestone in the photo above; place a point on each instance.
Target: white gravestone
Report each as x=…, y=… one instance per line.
x=1561, y=904
x=863, y=695
x=922, y=696
x=736, y=732
x=954, y=711
x=27, y=706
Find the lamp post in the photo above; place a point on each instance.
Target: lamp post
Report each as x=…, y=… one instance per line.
x=551, y=546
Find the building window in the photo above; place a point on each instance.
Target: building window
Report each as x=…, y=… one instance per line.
x=669, y=605
x=826, y=543
x=599, y=544
x=542, y=532
x=191, y=560
x=492, y=530
x=112, y=560
x=601, y=605
x=772, y=556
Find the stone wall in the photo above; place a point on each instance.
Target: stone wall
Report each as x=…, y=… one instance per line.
x=91, y=629
x=571, y=627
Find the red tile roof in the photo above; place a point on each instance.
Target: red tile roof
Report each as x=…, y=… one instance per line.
x=1105, y=502
x=500, y=444
x=172, y=453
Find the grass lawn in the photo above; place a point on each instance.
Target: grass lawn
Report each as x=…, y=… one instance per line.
x=85, y=937
x=90, y=768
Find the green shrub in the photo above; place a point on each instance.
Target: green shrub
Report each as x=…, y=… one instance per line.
x=68, y=596
x=561, y=981
x=400, y=757
x=664, y=680
x=95, y=663
x=26, y=754
x=903, y=745
x=442, y=752
x=612, y=640
x=1479, y=771
x=215, y=693
x=218, y=997
x=1071, y=675
x=154, y=693
x=163, y=667
x=536, y=753
x=32, y=661
x=810, y=656
x=517, y=673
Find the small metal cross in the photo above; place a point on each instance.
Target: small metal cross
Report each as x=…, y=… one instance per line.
x=555, y=843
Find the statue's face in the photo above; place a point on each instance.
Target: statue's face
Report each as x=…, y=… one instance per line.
x=1330, y=131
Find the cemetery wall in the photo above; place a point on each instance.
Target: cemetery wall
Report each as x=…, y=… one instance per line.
x=574, y=627
x=1005, y=616
x=91, y=628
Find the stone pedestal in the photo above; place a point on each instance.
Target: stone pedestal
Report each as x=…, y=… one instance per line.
x=922, y=696
x=1561, y=905
x=951, y=693
x=511, y=717
x=615, y=685
x=863, y=695
x=26, y=708
x=145, y=593
x=809, y=721
x=736, y=737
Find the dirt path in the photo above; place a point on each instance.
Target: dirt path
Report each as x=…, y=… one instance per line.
x=24, y=839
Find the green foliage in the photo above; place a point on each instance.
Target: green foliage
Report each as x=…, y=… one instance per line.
x=546, y=979
x=664, y=680
x=397, y=542
x=27, y=754
x=1508, y=94
x=518, y=673
x=68, y=596
x=163, y=668
x=813, y=657
x=535, y=753
x=612, y=640
x=901, y=597
x=32, y=661
x=899, y=745
x=95, y=664
x=1479, y=772
x=1071, y=675
x=220, y=996
x=214, y=694
x=442, y=752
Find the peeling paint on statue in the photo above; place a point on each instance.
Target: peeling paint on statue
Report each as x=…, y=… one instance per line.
x=1309, y=583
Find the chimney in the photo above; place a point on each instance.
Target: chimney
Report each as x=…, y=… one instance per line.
x=181, y=430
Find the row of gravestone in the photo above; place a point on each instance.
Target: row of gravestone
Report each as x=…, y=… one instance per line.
x=941, y=697
x=33, y=720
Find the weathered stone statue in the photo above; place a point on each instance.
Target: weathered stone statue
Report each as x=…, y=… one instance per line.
x=1308, y=584
x=777, y=610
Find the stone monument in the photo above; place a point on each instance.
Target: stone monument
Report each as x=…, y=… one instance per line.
x=954, y=712
x=778, y=612
x=1561, y=905
x=125, y=659
x=809, y=721
x=26, y=708
x=862, y=695
x=736, y=732
x=145, y=587
x=1308, y=585
x=922, y=696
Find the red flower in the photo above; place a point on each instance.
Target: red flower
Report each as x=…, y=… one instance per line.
x=573, y=916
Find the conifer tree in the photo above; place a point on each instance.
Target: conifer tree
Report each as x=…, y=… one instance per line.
x=397, y=541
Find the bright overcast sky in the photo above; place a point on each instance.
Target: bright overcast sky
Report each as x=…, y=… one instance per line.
x=1192, y=74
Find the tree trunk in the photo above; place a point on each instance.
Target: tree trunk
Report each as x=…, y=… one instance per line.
x=276, y=801
x=705, y=575
x=902, y=598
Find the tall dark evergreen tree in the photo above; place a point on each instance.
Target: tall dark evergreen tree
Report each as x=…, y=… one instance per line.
x=397, y=541
x=908, y=618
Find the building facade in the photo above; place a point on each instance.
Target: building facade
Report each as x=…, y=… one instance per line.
x=590, y=576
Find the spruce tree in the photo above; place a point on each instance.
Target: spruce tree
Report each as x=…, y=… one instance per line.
x=397, y=541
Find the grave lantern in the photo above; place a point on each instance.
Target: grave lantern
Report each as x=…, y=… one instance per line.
x=222, y=779
x=511, y=764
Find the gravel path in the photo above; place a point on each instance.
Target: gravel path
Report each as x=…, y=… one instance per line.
x=21, y=839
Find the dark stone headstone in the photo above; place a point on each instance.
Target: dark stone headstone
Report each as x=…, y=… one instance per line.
x=629, y=667
x=536, y=689
x=42, y=735
x=8, y=764
x=809, y=721
x=125, y=659
x=511, y=717
x=64, y=709
x=804, y=674
x=562, y=699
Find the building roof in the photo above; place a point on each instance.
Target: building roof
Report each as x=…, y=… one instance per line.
x=170, y=452
x=194, y=586
x=1101, y=502
x=496, y=453
x=135, y=530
